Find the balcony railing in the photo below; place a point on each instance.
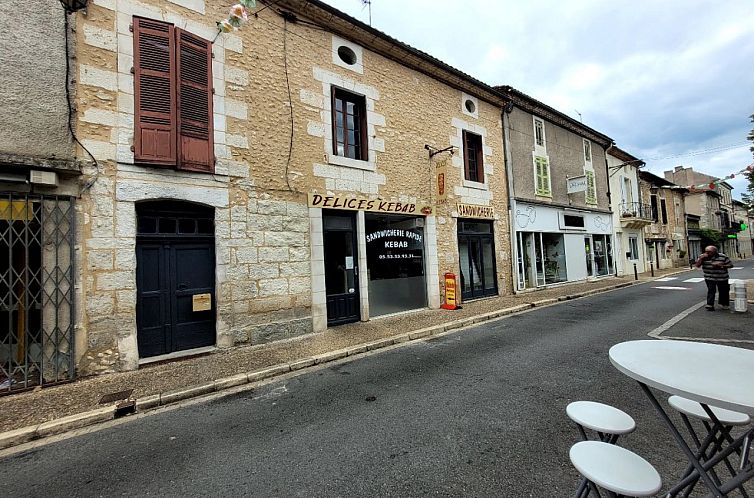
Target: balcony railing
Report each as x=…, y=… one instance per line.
x=636, y=210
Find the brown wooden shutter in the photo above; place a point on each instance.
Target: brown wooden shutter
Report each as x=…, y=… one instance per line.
x=154, y=93
x=195, y=137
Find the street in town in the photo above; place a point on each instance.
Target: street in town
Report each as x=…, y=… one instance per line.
x=476, y=412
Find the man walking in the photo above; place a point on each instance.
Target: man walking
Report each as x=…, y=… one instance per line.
x=715, y=266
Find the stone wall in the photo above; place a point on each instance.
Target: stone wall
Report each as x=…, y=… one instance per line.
x=33, y=108
x=273, y=144
x=565, y=151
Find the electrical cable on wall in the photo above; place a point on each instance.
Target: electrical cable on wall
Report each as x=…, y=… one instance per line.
x=66, y=27
x=290, y=100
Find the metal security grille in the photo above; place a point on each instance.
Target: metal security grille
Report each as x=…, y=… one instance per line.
x=36, y=290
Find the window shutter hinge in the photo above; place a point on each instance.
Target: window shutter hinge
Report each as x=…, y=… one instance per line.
x=133, y=148
x=213, y=55
x=131, y=27
x=213, y=91
x=132, y=70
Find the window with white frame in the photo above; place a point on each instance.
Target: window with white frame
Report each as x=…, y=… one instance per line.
x=633, y=248
x=542, y=176
x=539, y=132
x=587, y=151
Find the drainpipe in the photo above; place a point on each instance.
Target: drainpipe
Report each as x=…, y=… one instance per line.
x=511, y=193
x=610, y=207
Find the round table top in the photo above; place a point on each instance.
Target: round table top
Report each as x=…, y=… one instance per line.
x=713, y=374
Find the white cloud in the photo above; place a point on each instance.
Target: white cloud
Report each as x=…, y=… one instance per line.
x=661, y=78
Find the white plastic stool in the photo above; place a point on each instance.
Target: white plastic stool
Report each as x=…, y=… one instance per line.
x=715, y=437
x=607, y=421
x=617, y=470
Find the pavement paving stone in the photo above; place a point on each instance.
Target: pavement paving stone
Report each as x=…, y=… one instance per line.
x=214, y=371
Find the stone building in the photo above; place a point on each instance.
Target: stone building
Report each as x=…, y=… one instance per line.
x=666, y=238
x=630, y=214
x=303, y=171
x=39, y=182
x=709, y=199
x=558, y=236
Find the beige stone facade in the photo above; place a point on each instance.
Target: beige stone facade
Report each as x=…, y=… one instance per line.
x=666, y=238
x=273, y=145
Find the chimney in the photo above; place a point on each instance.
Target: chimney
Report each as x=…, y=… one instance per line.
x=679, y=168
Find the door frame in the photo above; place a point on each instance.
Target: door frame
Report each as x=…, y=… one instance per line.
x=480, y=237
x=357, y=282
x=183, y=210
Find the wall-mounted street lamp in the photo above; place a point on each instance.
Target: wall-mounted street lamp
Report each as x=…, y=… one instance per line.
x=73, y=5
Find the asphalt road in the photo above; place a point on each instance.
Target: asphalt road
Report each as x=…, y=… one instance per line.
x=480, y=412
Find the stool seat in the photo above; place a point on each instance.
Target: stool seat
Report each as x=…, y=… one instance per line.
x=694, y=409
x=600, y=417
x=615, y=469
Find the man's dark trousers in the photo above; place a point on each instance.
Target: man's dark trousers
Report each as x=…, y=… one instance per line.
x=723, y=289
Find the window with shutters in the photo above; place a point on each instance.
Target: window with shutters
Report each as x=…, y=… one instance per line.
x=172, y=97
x=349, y=125
x=542, y=177
x=591, y=187
x=473, y=157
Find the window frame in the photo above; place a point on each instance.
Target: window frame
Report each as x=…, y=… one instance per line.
x=587, y=151
x=541, y=122
x=545, y=176
x=664, y=211
x=346, y=96
x=466, y=135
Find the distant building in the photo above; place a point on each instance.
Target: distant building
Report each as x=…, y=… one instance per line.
x=744, y=219
x=630, y=214
x=665, y=238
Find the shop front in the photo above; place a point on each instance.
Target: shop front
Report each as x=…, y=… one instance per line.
x=476, y=251
x=561, y=245
x=373, y=258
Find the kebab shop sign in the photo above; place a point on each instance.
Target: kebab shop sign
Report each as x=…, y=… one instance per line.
x=354, y=203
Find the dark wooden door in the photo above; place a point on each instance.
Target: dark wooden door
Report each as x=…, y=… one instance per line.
x=168, y=276
x=341, y=268
x=175, y=277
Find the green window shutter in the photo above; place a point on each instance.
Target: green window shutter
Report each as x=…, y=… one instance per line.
x=591, y=189
x=543, y=176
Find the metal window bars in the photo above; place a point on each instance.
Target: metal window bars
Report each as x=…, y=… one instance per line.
x=37, y=237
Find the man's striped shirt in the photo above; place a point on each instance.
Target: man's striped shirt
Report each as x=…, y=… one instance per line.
x=714, y=273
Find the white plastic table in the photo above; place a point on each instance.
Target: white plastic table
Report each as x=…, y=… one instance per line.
x=709, y=374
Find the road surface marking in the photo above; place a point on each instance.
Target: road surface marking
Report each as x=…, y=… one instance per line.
x=663, y=287
x=680, y=316
x=710, y=339
x=737, y=268
x=694, y=280
x=666, y=279
x=734, y=280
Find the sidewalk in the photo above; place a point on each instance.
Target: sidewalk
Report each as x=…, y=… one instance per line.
x=47, y=411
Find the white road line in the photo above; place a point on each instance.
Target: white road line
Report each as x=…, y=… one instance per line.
x=732, y=281
x=737, y=268
x=664, y=287
x=694, y=280
x=709, y=339
x=666, y=279
x=680, y=316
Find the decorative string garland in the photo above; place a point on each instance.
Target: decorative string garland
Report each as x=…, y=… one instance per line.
x=713, y=184
x=238, y=14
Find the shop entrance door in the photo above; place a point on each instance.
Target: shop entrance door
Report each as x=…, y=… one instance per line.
x=341, y=268
x=589, y=256
x=175, y=278
x=477, y=255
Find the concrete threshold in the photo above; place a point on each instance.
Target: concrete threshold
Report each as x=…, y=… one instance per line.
x=69, y=423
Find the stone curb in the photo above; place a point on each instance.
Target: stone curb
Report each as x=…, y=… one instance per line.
x=77, y=421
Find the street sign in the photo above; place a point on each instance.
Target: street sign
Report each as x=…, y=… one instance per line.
x=577, y=184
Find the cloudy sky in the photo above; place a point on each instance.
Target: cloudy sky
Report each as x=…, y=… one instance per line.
x=668, y=80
